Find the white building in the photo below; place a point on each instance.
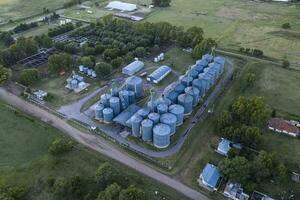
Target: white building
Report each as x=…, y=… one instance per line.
x=40, y=94
x=133, y=68
x=119, y=5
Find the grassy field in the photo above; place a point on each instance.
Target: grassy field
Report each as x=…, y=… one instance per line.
x=25, y=161
x=271, y=83
x=19, y=9
x=239, y=23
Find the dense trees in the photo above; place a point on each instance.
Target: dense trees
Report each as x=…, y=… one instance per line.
x=86, y=61
x=6, y=38
x=203, y=47
x=103, y=69
x=29, y=76
x=23, y=27
x=60, y=29
x=161, y=3
x=43, y=41
x=241, y=123
x=132, y=193
x=60, y=146
x=4, y=74
x=59, y=62
x=253, y=169
x=23, y=48
x=286, y=25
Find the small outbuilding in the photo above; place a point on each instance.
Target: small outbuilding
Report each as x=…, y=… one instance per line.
x=235, y=191
x=210, y=177
x=225, y=145
x=119, y=5
x=282, y=126
x=133, y=68
x=40, y=94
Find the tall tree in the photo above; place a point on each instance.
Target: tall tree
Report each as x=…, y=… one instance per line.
x=4, y=74
x=132, y=193
x=59, y=62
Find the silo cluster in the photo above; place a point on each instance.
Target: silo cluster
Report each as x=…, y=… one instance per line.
x=113, y=103
x=158, y=121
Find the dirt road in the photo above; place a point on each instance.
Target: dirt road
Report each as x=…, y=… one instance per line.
x=98, y=145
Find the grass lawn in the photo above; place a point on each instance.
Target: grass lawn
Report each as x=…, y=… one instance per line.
x=24, y=159
x=56, y=87
x=18, y=9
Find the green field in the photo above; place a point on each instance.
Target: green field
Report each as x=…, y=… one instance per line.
x=19, y=9
x=24, y=159
x=239, y=23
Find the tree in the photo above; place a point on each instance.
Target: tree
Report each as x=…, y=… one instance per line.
x=103, y=69
x=140, y=52
x=262, y=166
x=44, y=41
x=60, y=146
x=86, y=61
x=106, y=175
x=203, y=47
x=4, y=74
x=117, y=62
x=236, y=169
x=29, y=76
x=161, y=3
x=59, y=62
x=224, y=120
x=285, y=64
x=286, y=25
x=111, y=192
x=132, y=193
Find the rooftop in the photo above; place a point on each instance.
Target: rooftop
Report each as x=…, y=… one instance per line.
x=133, y=68
x=211, y=175
x=283, y=125
x=119, y=5
x=124, y=116
x=235, y=191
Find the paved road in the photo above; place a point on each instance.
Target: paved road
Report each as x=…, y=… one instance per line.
x=73, y=111
x=98, y=145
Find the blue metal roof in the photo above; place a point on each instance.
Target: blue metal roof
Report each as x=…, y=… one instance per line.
x=202, y=62
x=224, y=147
x=211, y=175
x=160, y=73
x=124, y=116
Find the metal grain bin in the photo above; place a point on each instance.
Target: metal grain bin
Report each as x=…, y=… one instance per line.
x=99, y=111
x=178, y=111
x=195, y=93
x=162, y=108
x=172, y=96
x=114, y=103
x=146, y=130
x=169, y=119
x=186, y=101
x=154, y=117
x=143, y=112
x=187, y=81
x=104, y=99
x=136, y=121
x=135, y=84
x=108, y=115
x=161, y=136
x=179, y=88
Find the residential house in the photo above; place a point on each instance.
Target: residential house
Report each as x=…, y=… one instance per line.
x=210, y=177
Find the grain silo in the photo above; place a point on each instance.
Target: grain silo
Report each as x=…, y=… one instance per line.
x=193, y=73
x=108, y=115
x=199, y=68
x=179, y=88
x=99, y=111
x=143, y=112
x=178, y=111
x=186, y=101
x=74, y=84
x=124, y=98
x=202, y=62
x=209, y=58
x=163, y=100
x=104, y=99
x=195, y=93
x=161, y=136
x=114, y=103
x=169, y=119
x=146, y=130
x=136, y=121
x=172, y=96
x=131, y=95
x=219, y=60
x=187, y=81
x=154, y=117
x=162, y=108
x=135, y=84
